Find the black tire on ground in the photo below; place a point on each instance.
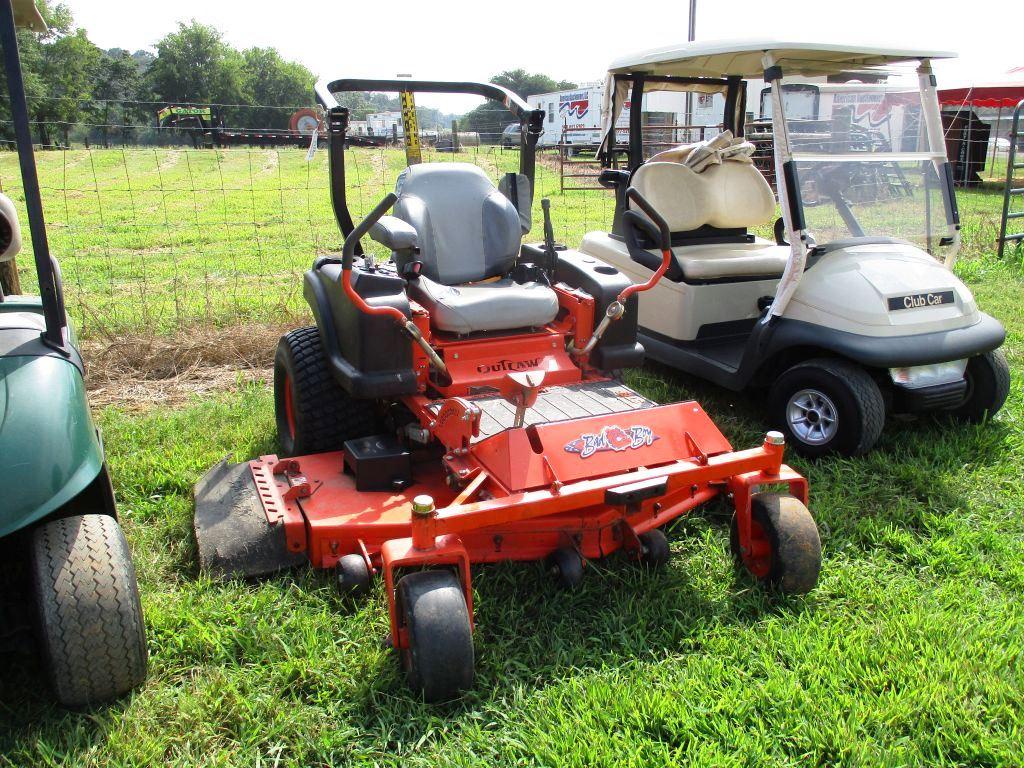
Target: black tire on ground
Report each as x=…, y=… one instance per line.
x=988, y=384
x=314, y=414
x=566, y=566
x=654, y=551
x=439, y=660
x=93, y=636
x=836, y=389
x=795, y=559
x=353, y=577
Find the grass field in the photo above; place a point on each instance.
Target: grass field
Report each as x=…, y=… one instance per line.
x=909, y=652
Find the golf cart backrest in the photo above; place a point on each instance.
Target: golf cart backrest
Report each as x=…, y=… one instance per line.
x=466, y=229
x=729, y=196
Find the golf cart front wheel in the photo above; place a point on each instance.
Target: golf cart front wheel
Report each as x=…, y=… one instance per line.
x=988, y=384
x=313, y=412
x=785, y=549
x=438, y=661
x=828, y=406
x=90, y=618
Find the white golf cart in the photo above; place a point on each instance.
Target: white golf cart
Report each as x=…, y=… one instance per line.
x=852, y=309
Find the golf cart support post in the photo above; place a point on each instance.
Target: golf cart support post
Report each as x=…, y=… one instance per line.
x=55, y=335
x=531, y=126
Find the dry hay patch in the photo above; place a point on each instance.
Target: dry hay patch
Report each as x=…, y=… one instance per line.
x=139, y=371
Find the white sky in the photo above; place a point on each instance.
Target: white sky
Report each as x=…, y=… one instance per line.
x=454, y=39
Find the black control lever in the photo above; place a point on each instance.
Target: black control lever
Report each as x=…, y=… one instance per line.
x=550, y=257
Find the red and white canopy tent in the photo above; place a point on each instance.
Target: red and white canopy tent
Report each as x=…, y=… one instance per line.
x=1005, y=93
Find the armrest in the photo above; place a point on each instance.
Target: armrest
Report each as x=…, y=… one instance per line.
x=394, y=233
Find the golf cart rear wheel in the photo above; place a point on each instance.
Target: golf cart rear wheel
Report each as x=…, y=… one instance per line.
x=90, y=618
x=828, y=406
x=314, y=414
x=438, y=661
x=785, y=551
x=988, y=384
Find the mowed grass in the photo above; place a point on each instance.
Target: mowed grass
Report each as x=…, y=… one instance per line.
x=907, y=653
x=165, y=238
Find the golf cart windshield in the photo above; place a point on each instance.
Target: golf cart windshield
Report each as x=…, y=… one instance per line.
x=866, y=167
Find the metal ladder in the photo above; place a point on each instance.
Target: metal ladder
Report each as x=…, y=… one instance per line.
x=1016, y=136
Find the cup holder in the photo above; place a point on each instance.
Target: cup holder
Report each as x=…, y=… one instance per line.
x=604, y=269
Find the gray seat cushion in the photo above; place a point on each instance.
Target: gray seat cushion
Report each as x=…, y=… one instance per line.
x=496, y=306
x=467, y=229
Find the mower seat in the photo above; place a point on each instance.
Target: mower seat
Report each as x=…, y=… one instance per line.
x=468, y=236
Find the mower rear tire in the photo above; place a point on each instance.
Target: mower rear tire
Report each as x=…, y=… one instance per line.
x=92, y=633
x=439, y=661
x=353, y=576
x=828, y=405
x=988, y=384
x=566, y=566
x=654, y=551
x=314, y=414
x=792, y=559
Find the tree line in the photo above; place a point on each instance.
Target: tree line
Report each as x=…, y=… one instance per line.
x=78, y=91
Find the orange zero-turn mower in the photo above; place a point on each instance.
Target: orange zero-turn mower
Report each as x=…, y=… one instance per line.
x=452, y=406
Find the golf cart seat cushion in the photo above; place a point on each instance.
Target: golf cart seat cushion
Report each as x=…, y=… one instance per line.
x=727, y=196
x=700, y=262
x=493, y=306
x=467, y=229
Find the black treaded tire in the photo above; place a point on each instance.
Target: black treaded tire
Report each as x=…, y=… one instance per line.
x=352, y=576
x=988, y=384
x=314, y=414
x=654, y=551
x=439, y=661
x=90, y=623
x=857, y=398
x=792, y=534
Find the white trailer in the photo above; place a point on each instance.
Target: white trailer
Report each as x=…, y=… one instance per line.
x=573, y=116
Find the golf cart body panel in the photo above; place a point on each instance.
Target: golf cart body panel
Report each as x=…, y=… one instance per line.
x=860, y=270
x=60, y=445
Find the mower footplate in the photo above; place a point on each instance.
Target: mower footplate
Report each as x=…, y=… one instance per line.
x=233, y=534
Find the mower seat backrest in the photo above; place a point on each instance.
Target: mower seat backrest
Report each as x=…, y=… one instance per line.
x=732, y=195
x=467, y=230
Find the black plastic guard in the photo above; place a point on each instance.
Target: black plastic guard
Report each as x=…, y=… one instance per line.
x=232, y=533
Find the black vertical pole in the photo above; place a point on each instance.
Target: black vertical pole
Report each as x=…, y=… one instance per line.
x=636, y=129
x=54, y=333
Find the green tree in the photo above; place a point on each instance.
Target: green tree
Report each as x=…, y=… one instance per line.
x=271, y=82
x=195, y=66
x=492, y=117
x=68, y=69
x=116, y=91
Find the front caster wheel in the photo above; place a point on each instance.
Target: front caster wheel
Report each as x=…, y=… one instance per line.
x=353, y=577
x=566, y=566
x=438, y=661
x=654, y=551
x=785, y=550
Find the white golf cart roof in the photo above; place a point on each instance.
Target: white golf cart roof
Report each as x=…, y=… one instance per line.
x=743, y=58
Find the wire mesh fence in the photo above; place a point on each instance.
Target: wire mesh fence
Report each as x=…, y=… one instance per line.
x=166, y=235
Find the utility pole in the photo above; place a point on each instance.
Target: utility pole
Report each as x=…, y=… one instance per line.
x=691, y=32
